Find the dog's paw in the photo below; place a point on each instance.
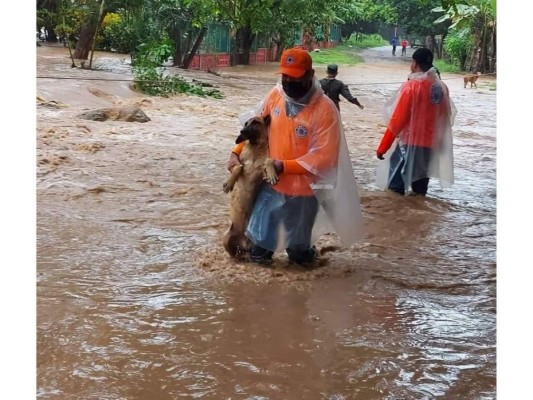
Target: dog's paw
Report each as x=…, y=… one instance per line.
x=271, y=178
x=269, y=173
x=227, y=187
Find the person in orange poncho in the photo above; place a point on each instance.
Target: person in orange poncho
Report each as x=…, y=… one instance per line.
x=421, y=116
x=316, y=191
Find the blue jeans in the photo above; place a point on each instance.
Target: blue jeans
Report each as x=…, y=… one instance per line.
x=397, y=164
x=277, y=214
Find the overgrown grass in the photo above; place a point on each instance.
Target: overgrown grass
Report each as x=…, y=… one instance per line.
x=341, y=55
x=444, y=66
x=346, y=54
x=366, y=41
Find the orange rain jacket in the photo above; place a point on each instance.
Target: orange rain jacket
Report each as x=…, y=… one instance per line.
x=310, y=138
x=415, y=116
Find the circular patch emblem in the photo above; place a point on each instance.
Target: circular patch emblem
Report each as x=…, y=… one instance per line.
x=290, y=60
x=276, y=111
x=301, y=131
x=436, y=94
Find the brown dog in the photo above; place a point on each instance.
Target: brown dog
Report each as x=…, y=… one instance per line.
x=472, y=78
x=245, y=181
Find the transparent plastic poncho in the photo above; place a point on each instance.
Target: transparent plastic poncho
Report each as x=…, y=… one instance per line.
x=309, y=132
x=431, y=116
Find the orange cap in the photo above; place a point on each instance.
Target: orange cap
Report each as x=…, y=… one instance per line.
x=295, y=62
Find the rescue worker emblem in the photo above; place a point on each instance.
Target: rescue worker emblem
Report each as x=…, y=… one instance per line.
x=436, y=94
x=301, y=131
x=276, y=111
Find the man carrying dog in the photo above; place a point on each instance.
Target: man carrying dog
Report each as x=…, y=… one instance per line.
x=316, y=191
x=333, y=88
x=421, y=116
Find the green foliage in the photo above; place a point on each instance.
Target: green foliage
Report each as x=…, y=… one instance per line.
x=116, y=34
x=458, y=45
x=418, y=18
x=150, y=80
x=69, y=20
x=444, y=66
x=341, y=55
x=46, y=18
x=373, y=40
x=63, y=30
x=372, y=11
x=480, y=17
x=153, y=53
x=463, y=13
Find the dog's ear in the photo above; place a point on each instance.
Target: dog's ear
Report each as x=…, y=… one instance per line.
x=267, y=120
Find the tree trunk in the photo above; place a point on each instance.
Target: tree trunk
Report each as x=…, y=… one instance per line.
x=493, y=65
x=441, y=45
x=190, y=35
x=279, y=48
x=100, y=19
x=475, y=61
x=178, y=55
x=478, y=56
x=246, y=38
x=85, y=41
x=195, y=48
x=87, y=36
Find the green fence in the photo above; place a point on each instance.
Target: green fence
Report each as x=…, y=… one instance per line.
x=335, y=33
x=217, y=39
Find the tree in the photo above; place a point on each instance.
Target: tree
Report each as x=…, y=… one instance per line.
x=416, y=18
x=184, y=21
x=480, y=17
x=246, y=18
x=94, y=20
x=365, y=15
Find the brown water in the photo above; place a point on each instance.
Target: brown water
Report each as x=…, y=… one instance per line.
x=137, y=299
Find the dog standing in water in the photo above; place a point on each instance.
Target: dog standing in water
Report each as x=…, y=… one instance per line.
x=472, y=78
x=245, y=181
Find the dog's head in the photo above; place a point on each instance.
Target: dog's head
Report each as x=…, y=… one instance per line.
x=254, y=129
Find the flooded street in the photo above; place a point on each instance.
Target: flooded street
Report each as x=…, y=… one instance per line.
x=136, y=298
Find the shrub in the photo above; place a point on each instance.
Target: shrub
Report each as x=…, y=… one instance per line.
x=457, y=45
x=366, y=41
x=150, y=80
x=116, y=35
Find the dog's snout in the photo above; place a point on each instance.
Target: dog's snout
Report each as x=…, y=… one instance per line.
x=240, y=139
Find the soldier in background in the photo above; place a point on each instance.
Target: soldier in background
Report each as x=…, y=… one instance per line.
x=333, y=88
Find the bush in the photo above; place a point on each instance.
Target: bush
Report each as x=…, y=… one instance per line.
x=116, y=35
x=366, y=41
x=457, y=46
x=150, y=80
x=154, y=53
x=444, y=66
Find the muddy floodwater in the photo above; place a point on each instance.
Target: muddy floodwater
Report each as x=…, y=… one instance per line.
x=136, y=298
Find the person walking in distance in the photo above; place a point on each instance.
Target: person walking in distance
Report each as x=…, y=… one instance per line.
x=404, y=44
x=421, y=116
x=334, y=88
x=394, y=42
